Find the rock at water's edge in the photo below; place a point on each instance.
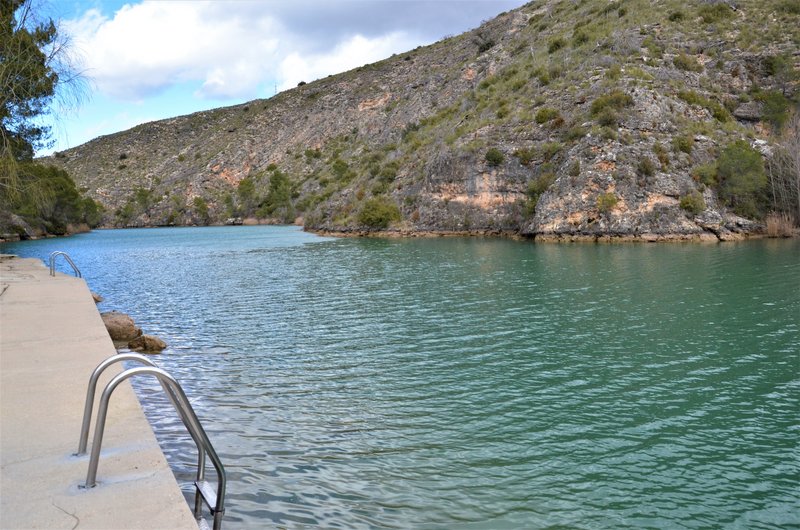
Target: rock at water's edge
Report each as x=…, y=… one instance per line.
x=147, y=344
x=120, y=326
x=96, y=297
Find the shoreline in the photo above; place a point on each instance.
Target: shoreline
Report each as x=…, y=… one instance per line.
x=698, y=237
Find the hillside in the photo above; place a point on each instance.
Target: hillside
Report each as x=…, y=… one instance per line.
x=561, y=119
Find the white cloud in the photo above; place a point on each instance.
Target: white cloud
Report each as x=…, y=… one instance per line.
x=355, y=51
x=150, y=46
x=231, y=49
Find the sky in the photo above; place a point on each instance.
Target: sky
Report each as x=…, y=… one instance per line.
x=149, y=60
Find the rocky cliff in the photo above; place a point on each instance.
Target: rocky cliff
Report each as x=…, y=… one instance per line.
x=561, y=119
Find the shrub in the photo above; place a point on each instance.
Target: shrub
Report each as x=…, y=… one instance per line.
x=181, y=157
x=791, y=7
x=615, y=100
x=525, y=155
x=546, y=114
x=550, y=149
x=706, y=173
x=741, y=178
x=711, y=13
x=608, y=117
x=579, y=38
x=312, y=153
x=378, y=212
x=719, y=112
x=614, y=72
x=687, y=63
x=662, y=155
x=537, y=187
x=646, y=168
x=693, y=203
x=485, y=46
x=683, y=144
x=201, y=209
x=676, y=16
x=576, y=132
x=556, y=44
x=606, y=202
x=494, y=157
x=775, y=109
x=575, y=168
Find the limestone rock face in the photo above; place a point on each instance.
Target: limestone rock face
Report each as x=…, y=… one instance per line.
x=601, y=137
x=120, y=326
x=147, y=344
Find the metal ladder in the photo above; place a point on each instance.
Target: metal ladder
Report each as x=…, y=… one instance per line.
x=53, y=257
x=204, y=492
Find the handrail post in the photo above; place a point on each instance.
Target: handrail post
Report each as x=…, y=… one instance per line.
x=191, y=422
x=92, y=388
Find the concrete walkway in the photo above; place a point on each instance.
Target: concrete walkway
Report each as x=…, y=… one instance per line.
x=51, y=338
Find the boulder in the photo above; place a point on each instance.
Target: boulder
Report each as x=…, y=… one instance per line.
x=120, y=326
x=147, y=344
x=96, y=297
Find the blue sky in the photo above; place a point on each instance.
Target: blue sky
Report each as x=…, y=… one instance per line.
x=148, y=60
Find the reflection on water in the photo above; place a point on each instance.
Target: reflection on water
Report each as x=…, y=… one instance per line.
x=470, y=383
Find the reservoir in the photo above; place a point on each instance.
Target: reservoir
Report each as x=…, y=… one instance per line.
x=469, y=382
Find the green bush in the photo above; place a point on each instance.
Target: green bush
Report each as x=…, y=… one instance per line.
x=775, y=108
x=550, y=149
x=536, y=187
x=378, y=212
x=687, y=63
x=676, y=16
x=645, y=167
x=606, y=202
x=791, y=7
x=556, y=44
x=525, y=155
x=741, y=178
x=494, y=157
x=608, y=117
x=706, y=173
x=717, y=110
x=545, y=114
x=711, y=13
x=579, y=38
x=662, y=155
x=693, y=203
x=615, y=100
x=683, y=143
x=576, y=132
x=201, y=209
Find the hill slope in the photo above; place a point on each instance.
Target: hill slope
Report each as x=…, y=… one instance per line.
x=561, y=119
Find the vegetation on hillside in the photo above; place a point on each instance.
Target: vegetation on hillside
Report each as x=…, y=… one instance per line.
x=578, y=116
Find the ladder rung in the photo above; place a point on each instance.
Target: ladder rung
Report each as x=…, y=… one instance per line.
x=202, y=524
x=208, y=493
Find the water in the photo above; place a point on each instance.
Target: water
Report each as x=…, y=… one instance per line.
x=470, y=383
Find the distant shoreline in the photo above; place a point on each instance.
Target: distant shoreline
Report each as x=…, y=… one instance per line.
x=703, y=237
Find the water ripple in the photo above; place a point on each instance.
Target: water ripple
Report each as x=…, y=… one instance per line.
x=466, y=383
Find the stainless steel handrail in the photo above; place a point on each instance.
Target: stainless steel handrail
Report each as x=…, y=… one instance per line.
x=53, y=257
x=92, y=388
x=184, y=408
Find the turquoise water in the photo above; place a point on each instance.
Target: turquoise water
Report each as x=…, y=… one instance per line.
x=471, y=383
